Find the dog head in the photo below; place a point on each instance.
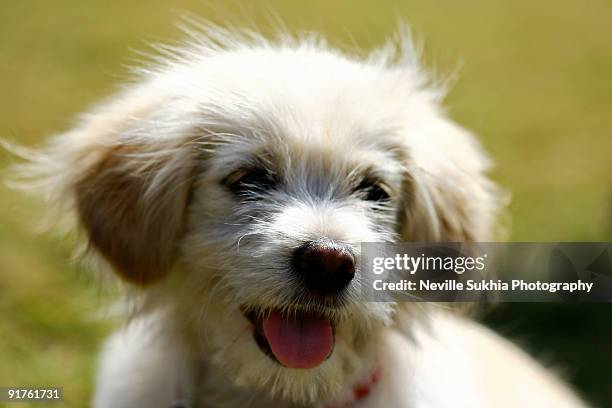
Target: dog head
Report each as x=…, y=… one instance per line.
x=234, y=184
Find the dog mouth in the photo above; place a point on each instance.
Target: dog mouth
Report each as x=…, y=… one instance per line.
x=296, y=340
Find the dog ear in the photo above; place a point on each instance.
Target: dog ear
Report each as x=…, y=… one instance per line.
x=126, y=171
x=449, y=198
x=132, y=203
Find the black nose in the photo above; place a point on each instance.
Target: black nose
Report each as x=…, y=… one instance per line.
x=325, y=266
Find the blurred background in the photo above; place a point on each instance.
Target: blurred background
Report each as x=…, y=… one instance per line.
x=534, y=81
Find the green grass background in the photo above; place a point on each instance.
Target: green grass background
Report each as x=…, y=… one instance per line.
x=535, y=83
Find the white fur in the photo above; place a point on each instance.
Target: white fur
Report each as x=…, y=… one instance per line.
x=144, y=171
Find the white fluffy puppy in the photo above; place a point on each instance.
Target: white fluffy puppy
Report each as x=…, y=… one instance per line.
x=232, y=184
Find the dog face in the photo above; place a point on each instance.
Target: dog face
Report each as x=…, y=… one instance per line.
x=235, y=183
x=273, y=243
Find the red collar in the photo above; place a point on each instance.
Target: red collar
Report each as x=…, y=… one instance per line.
x=360, y=391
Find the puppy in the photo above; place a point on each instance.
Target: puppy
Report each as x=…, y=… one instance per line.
x=231, y=186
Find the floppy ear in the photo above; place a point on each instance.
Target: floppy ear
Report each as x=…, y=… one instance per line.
x=126, y=171
x=447, y=195
x=132, y=203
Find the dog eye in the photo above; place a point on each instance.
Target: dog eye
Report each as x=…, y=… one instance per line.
x=374, y=190
x=249, y=180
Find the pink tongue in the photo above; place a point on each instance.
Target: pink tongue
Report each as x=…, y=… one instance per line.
x=302, y=342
